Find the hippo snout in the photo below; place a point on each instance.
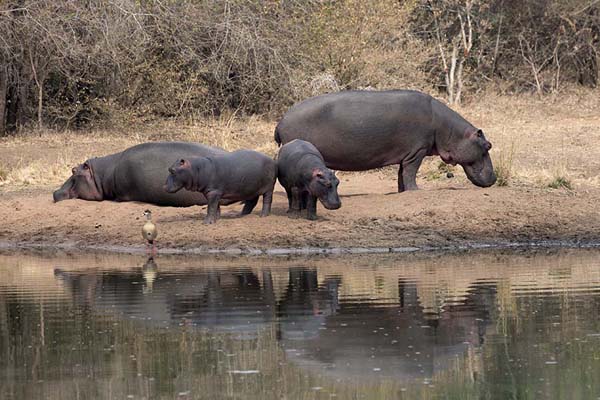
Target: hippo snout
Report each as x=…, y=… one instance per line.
x=333, y=206
x=483, y=180
x=60, y=195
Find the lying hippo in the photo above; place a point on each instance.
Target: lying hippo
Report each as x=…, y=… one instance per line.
x=135, y=174
x=305, y=178
x=243, y=175
x=361, y=130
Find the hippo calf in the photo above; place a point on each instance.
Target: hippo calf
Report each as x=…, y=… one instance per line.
x=305, y=178
x=135, y=174
x=242, y=175
x=361, y=130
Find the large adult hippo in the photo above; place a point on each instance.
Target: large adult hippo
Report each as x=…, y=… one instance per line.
x=361, y=130
x=135, y=174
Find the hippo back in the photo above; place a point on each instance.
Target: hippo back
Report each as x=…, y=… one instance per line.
x=141, y=172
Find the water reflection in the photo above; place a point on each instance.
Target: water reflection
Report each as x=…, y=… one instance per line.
x=481, y=326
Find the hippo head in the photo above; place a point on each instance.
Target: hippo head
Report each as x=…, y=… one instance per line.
x=81, y=185
x=472, y=153
x=180, y=176
x=323, y=185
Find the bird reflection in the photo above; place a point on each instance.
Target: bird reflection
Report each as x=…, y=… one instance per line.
x=149, y=272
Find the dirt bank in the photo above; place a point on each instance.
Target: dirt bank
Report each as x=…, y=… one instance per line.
x=537, y=143
x=441, y=214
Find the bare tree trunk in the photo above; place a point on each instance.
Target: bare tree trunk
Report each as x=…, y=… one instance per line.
x=450, y=88
x=496, y=47
x=22, y=97
x=40, y=85
x=459, y=81
x=3, y=97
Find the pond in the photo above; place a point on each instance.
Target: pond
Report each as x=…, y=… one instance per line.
x=476, y=325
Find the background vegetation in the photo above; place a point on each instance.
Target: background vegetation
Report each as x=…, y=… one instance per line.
x=102, y=63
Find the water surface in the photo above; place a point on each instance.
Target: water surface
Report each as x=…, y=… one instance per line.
x=489, y=325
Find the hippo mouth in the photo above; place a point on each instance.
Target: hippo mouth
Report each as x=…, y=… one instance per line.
x=170, y=186
x=481, y=173
x=65, y=192
x=331, y=205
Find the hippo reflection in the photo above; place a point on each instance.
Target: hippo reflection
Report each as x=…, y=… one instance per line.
x=346, y=337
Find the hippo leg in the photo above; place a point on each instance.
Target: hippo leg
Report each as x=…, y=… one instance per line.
x=304, y=200
x=213, y=208
x=289, y=196
x=311, y=208
x=400, y=179
x=249, y=206
x=294, y=211
x=407, y=173
x=267, y=200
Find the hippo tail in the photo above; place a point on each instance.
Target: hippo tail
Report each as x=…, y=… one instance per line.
x=277, y=136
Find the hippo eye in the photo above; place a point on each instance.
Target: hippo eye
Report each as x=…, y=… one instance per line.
x=479, y=134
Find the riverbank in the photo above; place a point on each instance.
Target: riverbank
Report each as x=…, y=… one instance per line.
x=441, y=215
x=546, y=151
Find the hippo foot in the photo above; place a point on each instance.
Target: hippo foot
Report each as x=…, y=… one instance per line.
x=295, y=214
x=311, y=217
x=264, y=214
x=210, y=221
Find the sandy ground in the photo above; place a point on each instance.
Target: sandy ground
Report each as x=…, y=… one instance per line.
x=535, y=140
x=441, y=214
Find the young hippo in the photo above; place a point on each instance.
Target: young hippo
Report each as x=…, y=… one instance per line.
x=305, y=178
x=242, y=175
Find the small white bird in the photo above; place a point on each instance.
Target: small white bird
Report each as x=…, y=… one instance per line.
x=149, y=231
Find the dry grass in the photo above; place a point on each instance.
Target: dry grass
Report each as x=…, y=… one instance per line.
x=538, y=143
x=504, y=165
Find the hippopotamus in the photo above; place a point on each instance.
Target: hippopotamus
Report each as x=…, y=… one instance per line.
x=242, y=175
x=305, y=178
x=135, y=174
x=361, y=130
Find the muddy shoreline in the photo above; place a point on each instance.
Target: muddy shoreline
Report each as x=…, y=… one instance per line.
x=442, y=216
x=9, y=247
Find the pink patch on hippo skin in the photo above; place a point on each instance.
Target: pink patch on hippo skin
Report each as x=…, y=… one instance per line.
x=317, y=172
x=447, y=158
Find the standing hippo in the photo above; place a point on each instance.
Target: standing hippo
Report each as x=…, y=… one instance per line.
x=305, y=178
x=135, y=174
x=243, y=175
x=361, y=130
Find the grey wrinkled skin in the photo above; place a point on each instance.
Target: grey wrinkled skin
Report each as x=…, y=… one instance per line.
x=305, y=178
x=361, y=130
x=135, y=174
x=242, y=175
